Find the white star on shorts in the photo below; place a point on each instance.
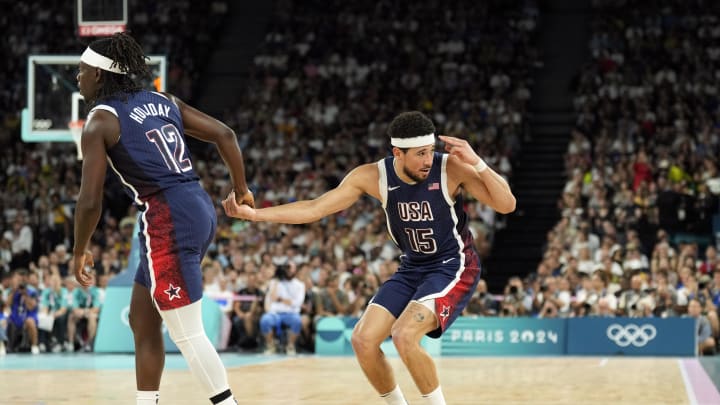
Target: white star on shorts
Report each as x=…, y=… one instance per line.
x=173, y=292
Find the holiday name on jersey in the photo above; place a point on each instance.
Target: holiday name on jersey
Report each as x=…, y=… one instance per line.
x=146, y=110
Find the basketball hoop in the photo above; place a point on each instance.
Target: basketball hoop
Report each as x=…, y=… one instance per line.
x=76, y=131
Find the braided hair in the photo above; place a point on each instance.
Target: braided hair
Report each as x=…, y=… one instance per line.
x=129, y=57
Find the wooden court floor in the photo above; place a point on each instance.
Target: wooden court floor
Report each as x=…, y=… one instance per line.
x=310, y=380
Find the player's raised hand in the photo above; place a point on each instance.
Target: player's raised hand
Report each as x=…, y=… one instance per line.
x=235, y=210
x=462, y=149
x=79, y=261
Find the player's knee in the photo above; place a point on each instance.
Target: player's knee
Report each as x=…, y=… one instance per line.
x=184, y=323
x=404, y=339
x=359, y=344
x=135, y=322
x=362, y=342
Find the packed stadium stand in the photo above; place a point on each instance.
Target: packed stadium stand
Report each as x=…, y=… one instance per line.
x=604, y=122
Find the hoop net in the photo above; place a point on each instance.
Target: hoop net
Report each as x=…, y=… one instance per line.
x=76, y=131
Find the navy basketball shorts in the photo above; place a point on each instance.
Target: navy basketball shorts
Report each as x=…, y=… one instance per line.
x=450, y=283
x=176, y=229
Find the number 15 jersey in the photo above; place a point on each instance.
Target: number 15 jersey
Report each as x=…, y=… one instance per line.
x=425, y=221
x=151, y=154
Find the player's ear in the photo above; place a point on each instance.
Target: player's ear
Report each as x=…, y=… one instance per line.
x=397, y=152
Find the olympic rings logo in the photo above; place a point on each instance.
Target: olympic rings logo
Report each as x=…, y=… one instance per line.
x=631, y=334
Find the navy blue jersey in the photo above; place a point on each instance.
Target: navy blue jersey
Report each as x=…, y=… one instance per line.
x=425, y=221
x=151, y=154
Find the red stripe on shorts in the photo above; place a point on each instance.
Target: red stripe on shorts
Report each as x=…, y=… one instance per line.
x=170, y=288
x=446, y=305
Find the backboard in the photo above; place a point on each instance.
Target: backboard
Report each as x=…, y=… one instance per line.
x=53, y=100
x=101, y=17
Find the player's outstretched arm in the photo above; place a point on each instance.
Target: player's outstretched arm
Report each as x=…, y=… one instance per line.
x=206, y=128
x=480, y=180
x=359, y=181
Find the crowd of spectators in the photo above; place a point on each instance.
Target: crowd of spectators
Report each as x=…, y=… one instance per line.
x=181, y=29
x=47, y=310
x=328, y=79
x=331, y=75
x=326, y=82
x=635, y=236
x=40, y=181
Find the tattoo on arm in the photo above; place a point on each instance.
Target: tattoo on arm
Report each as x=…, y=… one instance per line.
x=419, y=317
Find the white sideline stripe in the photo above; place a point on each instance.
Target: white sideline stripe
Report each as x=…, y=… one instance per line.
x=688, y=386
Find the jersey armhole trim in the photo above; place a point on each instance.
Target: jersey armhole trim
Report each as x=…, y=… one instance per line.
x=170, y=99
x=113, y=111
x=382, y=182
x=105, y=107
x=444, y=181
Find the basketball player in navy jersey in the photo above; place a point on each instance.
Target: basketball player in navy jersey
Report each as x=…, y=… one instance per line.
x=421, y=192
x=140, y=135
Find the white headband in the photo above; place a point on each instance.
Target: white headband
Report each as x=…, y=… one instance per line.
x=93, y=58
x=414, y=142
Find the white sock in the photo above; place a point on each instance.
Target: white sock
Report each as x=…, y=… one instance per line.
x=394, y=397
x=148, y=397
x=435, y=398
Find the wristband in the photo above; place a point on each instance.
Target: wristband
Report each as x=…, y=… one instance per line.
x=480, y=166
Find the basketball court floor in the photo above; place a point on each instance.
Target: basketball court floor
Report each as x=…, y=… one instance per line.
x=61, y=379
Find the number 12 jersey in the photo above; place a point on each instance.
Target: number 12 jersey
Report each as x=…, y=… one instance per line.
x=151, y=154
